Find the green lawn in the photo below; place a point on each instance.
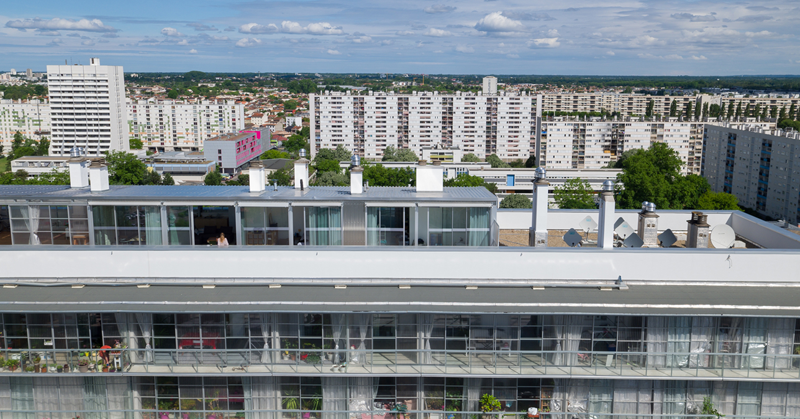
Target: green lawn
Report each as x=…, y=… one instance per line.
x=3, y=164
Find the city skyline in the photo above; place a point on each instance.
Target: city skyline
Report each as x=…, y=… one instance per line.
x=436, y=37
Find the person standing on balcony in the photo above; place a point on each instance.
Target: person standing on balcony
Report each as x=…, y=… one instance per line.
x=222, y=241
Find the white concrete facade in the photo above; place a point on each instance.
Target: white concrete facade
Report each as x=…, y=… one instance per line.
x=87, y=105
x=31, y=119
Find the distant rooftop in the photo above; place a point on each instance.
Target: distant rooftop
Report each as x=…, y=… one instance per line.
x=231, y=137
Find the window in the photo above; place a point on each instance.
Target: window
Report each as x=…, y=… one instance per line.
x=48, y=224
x=323, y=226
x=178, y=226
x=458, y=226
x=388, y=226
x=127, y=225
x=265, y=226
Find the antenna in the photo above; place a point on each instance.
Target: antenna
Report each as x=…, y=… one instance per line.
x=572, y=238
x=722, y=236
x=622, y=228
x=667, y=238
x=633, y=241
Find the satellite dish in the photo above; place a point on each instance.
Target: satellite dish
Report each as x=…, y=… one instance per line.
x=588, y=224
x=633, y=241
x=667, y=238
x=622, y=228
x=722, y=236
x=572, y=238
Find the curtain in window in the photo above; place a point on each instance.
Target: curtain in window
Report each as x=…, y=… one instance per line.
x=780, y=335
x=334, y=397
x=556, y=325
x=338, y=326
x=318, y=226
x=362, y=393
x=34, y=224
x=118, y=397
x=21, y=396
x=731, y=343
x=426, y=330
x=575, y=325
x=152, y=224
x=5, y=394
x=125, y=324
x=748, y=399
x=754, y=341
x=104, y=225
x=696, y=392
x=263, y=397
x=773, y=399
x=702, y=337
x=600, y=398
x=793, y=400
x=45, y=397
x=473, y=394
x=656, y=341
x=559, y=391
x=678, y=340
x=373, y=234
x=577, y=398
x=94, y=396
x=674, y=399
x=266, y=333
x=364, y=322
x=626, y=394
x=145, y=321
x=724, y=397
x=478, y=227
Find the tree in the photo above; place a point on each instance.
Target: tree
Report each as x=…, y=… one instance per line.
x=715, y=111
x=274, y=153
x=302, y=86
x=329, y=165
x=718, y=201
x=515, y=201
x=673, y=108
x=470, y=158
x=705, y=110
x=24, y=151
x=295, y=143
x=135, y=144
x=404, y=154
x=241, y=180
x=495, y=161
x=788, y=123
x=649, y=111
x=167, y=180
x=739, y=109
x=339, y=154
x=172, y=94
x=790, y=115
x=773, y=111
x=688, y=110
x=747, y=111
x=332, y=179
x=729, y=115
x=213, y=178
x=465, y=180
x=518, y=163
x=574, y=194
x=757, y=111
x=43, y=148
x=764, y=113
x=290, y=105
x=283, y=176
x=18, y=141
x=697, y=111
x=125, y=169
x=531, y=162
x=378, y=175
x=782, y=115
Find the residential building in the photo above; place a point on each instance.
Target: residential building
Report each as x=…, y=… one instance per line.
x=173, y=126
x=759, y=166
x=183, y=166
x=30, y=118
x=490, y=85
x=351, y=325
x=36, y=165
x=232, y=151
x=87, y=108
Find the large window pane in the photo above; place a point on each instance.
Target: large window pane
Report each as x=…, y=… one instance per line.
x=179, y=226
x=323, y=226
x=104, y=225
x=265, y=226
x=5, y=226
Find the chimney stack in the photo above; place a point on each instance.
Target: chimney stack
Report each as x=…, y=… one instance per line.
x=258, y=180
x=356, y=176
x=301, y=171
x=648, y=225
x=605, y=232
x=78, y=173
x=541, y=197
x=697, y=234
x=98, y=175
x=430, y=178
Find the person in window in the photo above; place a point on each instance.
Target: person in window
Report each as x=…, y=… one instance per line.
x=222, y=241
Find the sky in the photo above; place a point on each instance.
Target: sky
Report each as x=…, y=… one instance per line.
x=570, y=37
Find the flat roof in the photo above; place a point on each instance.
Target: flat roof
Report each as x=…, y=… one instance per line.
x=46, y=193
x=232, y=137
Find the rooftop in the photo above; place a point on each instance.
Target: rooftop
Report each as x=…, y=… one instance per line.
x=231, y=137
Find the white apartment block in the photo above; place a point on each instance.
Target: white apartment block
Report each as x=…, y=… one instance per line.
x=624, y=104
x=760, y=166
x=31, y=119
x=173, y=126
x=87, y=108
x=366, y=125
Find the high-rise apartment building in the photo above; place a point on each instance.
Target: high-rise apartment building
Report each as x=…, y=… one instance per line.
x=490, y=85
x=87, y=105
x=173, y=126
x=760, y=166
x=30, y=118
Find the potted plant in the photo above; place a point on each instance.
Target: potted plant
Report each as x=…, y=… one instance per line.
x=164, y=407
x=43, y=368
x=435, y=402
x=290, y=401
x=29, y=368
x=796, y=359
x=36, y=361
x=288, y=344
x=328, y=355
x=489, y=404
x=12, y=364
x=52, y=368
x=83, y=365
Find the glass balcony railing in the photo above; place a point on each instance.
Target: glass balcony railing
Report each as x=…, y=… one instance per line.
x=705, y=365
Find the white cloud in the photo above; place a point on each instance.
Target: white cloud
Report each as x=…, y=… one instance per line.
x=171, y=32
x=544, y=43
x=94, y=25
x=466, y=49
x=387, y=42
x=45, y=32
x=359, y=38
x=439, y=8
x=512, y=55
x=192, y=51
x=702, y=57
x=88, y=43
x=671, y=57
x=405, y=33
x=55, y=42
x=436, y=32
x=762, y=34
x=693, y=18
x=334, y=52
x=183, y=42
x=645, y=40
x=321, y=28
x=248, y=42
x=256, y=28
x=496, y=22
x=611, y=53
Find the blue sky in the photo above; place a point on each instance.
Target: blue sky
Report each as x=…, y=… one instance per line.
x=623, y=37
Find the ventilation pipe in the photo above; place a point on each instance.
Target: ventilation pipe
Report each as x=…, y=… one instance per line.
x=697, y=234
x=301, y=171
x=648, y=225
x=78, y=173
x=605, y=232
x=98, y=175
x=541, y=196
x=356, y=176
x=430, y=178
x=258, y=180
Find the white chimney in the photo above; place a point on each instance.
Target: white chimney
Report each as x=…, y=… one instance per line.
x=78, y=173
x=697, y=234
x=356, y=176
x=605, y=232
x=541, y=196
x=430, y=178
x=301, y=171
x=258, y=180
x=94, y=61
x=648, y=225
x=98, y=175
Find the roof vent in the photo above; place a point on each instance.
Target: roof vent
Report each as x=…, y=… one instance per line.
x=355, y=160
x=539, y=174
x=608, y=186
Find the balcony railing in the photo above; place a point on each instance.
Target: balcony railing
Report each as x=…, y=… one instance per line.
x=705, y=366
